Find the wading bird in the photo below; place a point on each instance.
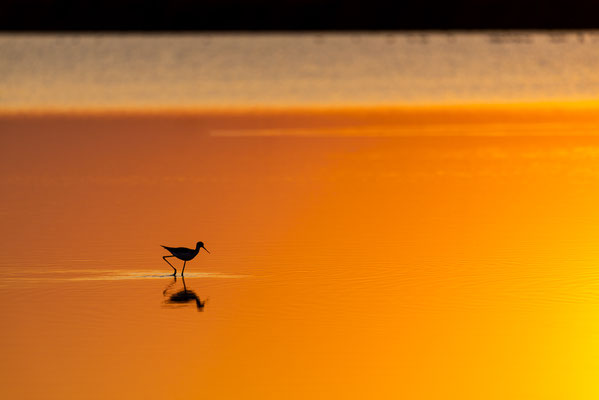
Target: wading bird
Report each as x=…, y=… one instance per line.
x=183, y=253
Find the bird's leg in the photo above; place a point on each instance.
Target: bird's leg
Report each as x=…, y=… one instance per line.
x=165, y=259
x=183, y=268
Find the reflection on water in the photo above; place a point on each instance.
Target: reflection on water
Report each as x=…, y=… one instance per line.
x=48, y=273
x=376, y=267
x=181, y=297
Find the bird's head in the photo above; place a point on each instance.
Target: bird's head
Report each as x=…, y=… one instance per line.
x=200, y=304
x=200, y=245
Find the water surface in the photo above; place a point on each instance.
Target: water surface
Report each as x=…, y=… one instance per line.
x=340, y=266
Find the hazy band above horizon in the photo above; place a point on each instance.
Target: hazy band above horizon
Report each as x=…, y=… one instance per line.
x=67, y=72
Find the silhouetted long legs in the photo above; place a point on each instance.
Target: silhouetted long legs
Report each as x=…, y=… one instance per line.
x=183, y=270
x=165, y=259
x=170, y=285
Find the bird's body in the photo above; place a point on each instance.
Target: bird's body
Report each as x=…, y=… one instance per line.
x=184, y=254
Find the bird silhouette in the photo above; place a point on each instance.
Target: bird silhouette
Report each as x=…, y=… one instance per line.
x=183, y=253
x=182, y=297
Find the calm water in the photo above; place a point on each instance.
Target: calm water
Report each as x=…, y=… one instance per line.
x=418, y=253
x=340, y=267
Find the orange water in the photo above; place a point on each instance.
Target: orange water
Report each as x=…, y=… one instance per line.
x=341, y=266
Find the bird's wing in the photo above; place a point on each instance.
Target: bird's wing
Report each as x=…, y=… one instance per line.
x=179, y=251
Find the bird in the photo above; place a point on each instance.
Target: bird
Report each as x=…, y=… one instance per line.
x=183, y=253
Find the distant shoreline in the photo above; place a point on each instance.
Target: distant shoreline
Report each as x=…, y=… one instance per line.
x=242, y=73
x=536, y=119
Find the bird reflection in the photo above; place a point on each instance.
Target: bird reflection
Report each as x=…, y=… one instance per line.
x=181, y=297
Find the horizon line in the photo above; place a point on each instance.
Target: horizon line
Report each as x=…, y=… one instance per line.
x=577, y=106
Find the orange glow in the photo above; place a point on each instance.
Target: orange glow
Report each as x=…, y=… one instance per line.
x=350, y=266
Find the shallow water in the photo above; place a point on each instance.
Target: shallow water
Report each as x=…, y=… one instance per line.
x=340, y=267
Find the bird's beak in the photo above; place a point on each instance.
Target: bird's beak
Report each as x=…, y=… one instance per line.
x=205, y=249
